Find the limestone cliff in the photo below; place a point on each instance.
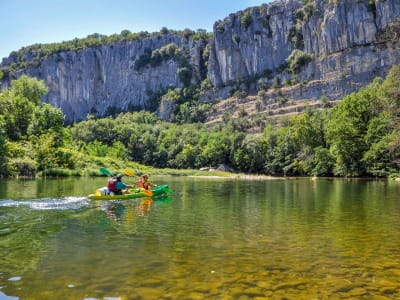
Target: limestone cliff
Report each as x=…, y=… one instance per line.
x=299, y=50
x=105, y=79
x=341, y=46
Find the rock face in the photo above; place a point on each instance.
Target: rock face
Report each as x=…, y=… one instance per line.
x=346, y=38
x=104, y=79
x=331, y=47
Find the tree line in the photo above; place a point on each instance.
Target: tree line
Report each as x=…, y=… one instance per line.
x=360, y=136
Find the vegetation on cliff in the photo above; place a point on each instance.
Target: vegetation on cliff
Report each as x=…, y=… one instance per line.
x=33, y=55
x=358, y=137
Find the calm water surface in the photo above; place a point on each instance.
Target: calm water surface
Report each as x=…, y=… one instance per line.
x=212, y=239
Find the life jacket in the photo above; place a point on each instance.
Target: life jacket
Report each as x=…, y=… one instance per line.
x=111, y=184
x=141, y=183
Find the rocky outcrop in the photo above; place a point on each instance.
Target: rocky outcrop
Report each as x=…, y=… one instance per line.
x=105, y=79
x=318, y=48
x=344, y=38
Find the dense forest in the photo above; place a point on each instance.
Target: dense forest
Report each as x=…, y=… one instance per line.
x=360, y=136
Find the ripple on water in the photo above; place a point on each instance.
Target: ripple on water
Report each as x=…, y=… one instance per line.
x=15, y=278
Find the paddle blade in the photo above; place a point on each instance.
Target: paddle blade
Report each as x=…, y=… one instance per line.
x=148, y=193
x=106, y=172
x=130, y=173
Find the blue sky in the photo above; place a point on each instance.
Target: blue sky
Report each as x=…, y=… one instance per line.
x=23, y=23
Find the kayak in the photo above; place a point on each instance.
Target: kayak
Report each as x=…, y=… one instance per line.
x=161, y=190
x=157, y=191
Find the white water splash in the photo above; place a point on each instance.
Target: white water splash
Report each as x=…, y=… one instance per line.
x=48, y=203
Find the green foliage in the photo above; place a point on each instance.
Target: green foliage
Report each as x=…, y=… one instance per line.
x=143, y=59
x=192, y=112
x=18, y=104
x=46, y=118
x=156, y=57
x=220, y=27
x=44, y=151
x=308, y=11
x=347, y=126
x=297, y=60
x=250, y=155
x=3, y=147
x=246, y=19
x=167, y=52
x=295, y=36
x=201, y=34
x=323, y=162
x=31, y=131
x=358, y=137
x=154, y=99
x=185, y=75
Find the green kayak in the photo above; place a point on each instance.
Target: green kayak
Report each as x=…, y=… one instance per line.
x=157, y=191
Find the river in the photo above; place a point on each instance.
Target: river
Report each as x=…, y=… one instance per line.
x=213, y=238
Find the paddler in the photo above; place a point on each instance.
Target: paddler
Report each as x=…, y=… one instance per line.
x=116, y=186
x=144, y=183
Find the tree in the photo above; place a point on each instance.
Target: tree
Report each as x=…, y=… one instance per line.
x=18, y=103
x=390, y=92
x=250, y=156
x=347, y=126
x=307, y=134
x=323, y=162
x=47, y=118
x=29, y=88
x=217, y=148
x=3, y=148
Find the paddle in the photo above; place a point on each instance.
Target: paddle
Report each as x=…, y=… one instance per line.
x=106, y=172
x=130, y=173
x=147, y=192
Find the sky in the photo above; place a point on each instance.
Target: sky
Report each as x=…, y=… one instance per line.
x=24, y=23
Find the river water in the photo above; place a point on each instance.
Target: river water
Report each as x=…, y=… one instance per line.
x=213, y=238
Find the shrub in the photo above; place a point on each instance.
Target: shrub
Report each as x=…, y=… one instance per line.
x=297, y=60
x=246, y=19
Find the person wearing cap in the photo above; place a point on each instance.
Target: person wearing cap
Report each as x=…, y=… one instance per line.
x=143, y=182
x=116, y=186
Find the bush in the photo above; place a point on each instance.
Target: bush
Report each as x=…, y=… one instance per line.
x=246, y=19
x=297, y=60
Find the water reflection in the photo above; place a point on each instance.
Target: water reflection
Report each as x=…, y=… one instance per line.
x=115, y=210
x=126, y=210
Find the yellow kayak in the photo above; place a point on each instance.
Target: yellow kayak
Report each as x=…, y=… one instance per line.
x=134, y=193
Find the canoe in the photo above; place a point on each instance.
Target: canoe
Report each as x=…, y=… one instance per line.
x=157, y=191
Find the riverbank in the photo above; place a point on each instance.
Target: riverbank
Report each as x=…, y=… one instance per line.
x=142, y=169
